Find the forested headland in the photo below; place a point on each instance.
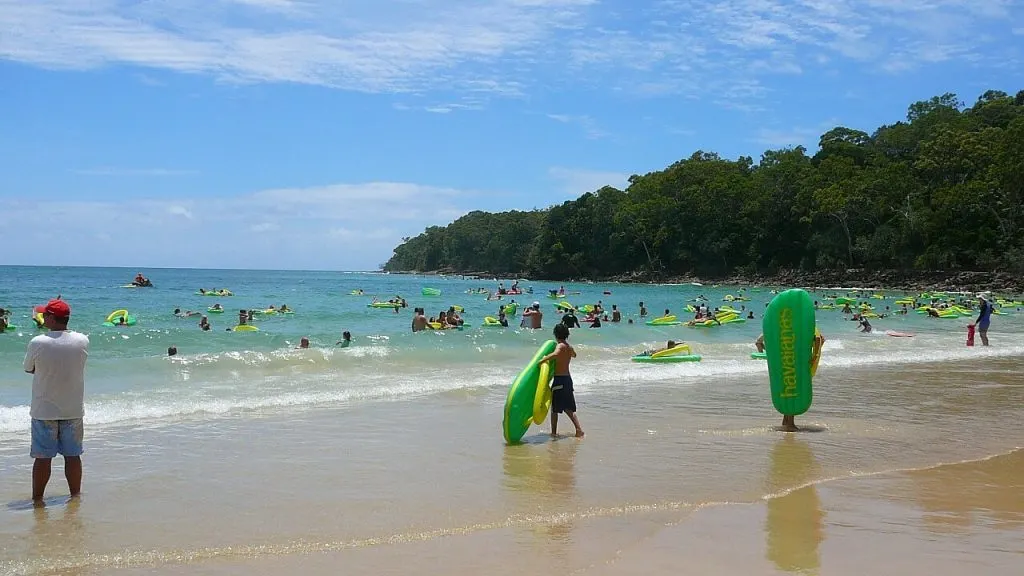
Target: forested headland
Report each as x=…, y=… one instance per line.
x=941, y=191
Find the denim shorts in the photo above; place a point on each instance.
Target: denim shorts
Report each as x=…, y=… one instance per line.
x=52, y=437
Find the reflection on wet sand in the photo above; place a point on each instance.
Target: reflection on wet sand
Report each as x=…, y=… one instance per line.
x=795, y=522
x=540, y=476
x=957, y=496
x=58, y=537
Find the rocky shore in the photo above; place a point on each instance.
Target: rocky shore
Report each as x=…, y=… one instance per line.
x=906, y=280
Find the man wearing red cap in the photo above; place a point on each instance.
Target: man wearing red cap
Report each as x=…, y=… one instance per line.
x=56, y=361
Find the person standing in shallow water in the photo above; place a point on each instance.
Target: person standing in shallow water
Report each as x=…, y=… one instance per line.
x=984, y=317
x=562, y=397
x=789, y=422
x=56, y=361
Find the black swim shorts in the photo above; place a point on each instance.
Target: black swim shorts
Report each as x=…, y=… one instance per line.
x=562, y=399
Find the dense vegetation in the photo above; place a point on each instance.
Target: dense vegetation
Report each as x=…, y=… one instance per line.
x=942, y=191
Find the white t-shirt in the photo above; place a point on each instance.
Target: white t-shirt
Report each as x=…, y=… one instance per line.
x=57, y=363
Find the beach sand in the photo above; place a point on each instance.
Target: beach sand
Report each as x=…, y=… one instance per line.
x=909, y=470
x=955, y=519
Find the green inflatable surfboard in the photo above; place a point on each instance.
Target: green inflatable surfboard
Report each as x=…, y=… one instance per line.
x=788, y=341
x=519, y=402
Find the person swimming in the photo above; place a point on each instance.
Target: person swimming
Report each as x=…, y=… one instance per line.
x=865, y=326
x=668, y=346
x=346, y=339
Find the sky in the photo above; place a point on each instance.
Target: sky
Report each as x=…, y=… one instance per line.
x=316, y=134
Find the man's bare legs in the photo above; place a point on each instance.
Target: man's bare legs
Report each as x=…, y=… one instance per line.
x=41, y=475
x=73, y=474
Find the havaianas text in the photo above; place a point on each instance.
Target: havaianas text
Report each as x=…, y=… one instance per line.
x=787, y=339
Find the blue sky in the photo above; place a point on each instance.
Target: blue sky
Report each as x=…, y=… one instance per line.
x=314, y=134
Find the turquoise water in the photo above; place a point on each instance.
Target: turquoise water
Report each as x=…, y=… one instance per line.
x=218, y=374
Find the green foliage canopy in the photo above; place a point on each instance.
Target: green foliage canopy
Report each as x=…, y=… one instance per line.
x=943, y=190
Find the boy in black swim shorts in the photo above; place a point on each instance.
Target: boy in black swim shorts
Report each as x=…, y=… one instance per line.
x=562, y=398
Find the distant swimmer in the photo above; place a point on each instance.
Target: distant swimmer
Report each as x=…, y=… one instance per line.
x=419, y=321
x=303, y=343
x=204, y=324
x=562, y=397
x=533, y=316
x=984, y=316
x=172, y=351
x=759, y=343
x=503, y=319
x=616, y=315
x=643, y=310
x=865, y=326
x=570, y=319
x=346, y=339
x=668, y=346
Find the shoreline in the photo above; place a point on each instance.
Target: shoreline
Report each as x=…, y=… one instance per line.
x=854, y=279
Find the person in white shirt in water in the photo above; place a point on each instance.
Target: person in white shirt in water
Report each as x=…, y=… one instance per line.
x=56, y=361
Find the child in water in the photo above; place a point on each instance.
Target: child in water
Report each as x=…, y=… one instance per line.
x=788, y=422
x=562, y=399
x=346, y=339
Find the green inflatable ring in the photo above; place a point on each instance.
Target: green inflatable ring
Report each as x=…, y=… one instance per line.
x=788, y=327
x=215, y=310
x=10, y=327
x=759, y=355
x=521, y=395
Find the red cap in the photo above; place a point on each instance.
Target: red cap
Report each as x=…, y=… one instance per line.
x=58, y=308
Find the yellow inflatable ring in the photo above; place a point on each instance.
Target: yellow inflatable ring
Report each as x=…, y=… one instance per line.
x=246, y=328
x=677, y=349
x=117, y=314
x=542, y=399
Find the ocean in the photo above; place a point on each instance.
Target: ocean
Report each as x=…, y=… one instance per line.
x=243, y=449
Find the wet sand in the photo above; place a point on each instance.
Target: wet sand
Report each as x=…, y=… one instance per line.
x=896, y=475
x=955, y=519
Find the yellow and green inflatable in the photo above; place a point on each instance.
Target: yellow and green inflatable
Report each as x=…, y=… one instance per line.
x=790, y=349
x=529, y=397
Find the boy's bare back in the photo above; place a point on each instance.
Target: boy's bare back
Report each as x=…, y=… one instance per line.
x=564, y=353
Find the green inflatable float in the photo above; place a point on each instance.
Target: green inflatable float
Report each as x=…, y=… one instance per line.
x=789, y=342
x=529, y=397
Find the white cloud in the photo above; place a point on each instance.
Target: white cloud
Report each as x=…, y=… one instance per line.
x=574, y=182
x=180, y=211
x=491, y=48
x=264, y=227
x=585, y=122
x=339, y=226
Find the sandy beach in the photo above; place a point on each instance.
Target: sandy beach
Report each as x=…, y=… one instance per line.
x=904, y=470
